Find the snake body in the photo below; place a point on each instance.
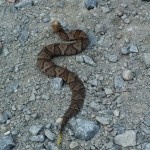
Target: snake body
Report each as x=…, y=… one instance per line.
x=79, y=43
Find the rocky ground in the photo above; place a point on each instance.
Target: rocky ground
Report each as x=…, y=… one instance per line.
x=115, y=69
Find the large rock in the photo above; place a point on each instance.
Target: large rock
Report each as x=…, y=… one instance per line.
x=84, y=129
x=126, y=139
x=6, y=142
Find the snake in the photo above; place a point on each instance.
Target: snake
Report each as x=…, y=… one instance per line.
x=76, y=42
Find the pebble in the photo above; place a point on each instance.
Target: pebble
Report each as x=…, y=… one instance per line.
x=92, y=38
x=23, y=36
x=88, y=60
x=93, y=82
x=105, y=9
x=46, y=96
x=12, y=87
x=125, y=50
x=113, y=58
x=119, y=83
x=95, y=106
x=35, y=129
x=147, y=59
x=3, y=118
x=104, y=120
x=79, y=58
x=147, y=146
x=119, y=13
x=37, y=138
x=127, y=20
x=46, y=19
x=73, y=145
x=127, y=75
x=108, y=91
x=1, y=48
x=50, y=135
x=5, y=52
x=116, y=113
x=6, y=142
x=57, y=83
x=100, y=29
x=24, y=3
x=126, y=139
x=90, y=4
x=84, y=129
x=32, y=96
x=133, y=49
x=59, y=120
x=148, y=72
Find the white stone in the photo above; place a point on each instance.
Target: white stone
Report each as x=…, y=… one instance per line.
x=126, y=139
x=127, y=75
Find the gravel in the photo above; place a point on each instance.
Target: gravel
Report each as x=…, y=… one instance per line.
x=115, y=70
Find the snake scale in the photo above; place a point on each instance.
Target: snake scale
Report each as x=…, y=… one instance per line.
x=79, y=43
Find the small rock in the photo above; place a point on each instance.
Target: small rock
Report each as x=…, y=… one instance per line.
x=90, y=4
x=94, y=106
x=3, y=118
x=104, y=120
x=24, y=3
x=125, y=50
x=25, y=19
x=108, y=91
x=105, y=9
x=1, y=48
x=49, y=135
x=147, y=59
x=127, y=20
x=116, y=113
x=148, y=72
x=59, y=120
x=57, y=83
x=147, y=146
x=84, y=129
x=79, y=59
x=23, y=36
x=35, y=129
x=113, y=58
x=46, y=19
x=88, y=60
x=37, y=138
x=32, y=97
x=13, y=108
x=12, y=87
x=119, y=83
x=126, y=139
x=100, y=29
x=127, y=75
x=8, y=113
x=6, y=142
x=119, y=13
x=92, y=38
x=133, y=49
x=5, y=52
x=11, y=1
x=73, y=145
x=45, y=96
x=93, y=82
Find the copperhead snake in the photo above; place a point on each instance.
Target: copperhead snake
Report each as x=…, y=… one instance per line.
x=79, y=43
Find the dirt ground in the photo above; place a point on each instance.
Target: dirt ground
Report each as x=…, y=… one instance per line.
x=32, y=98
